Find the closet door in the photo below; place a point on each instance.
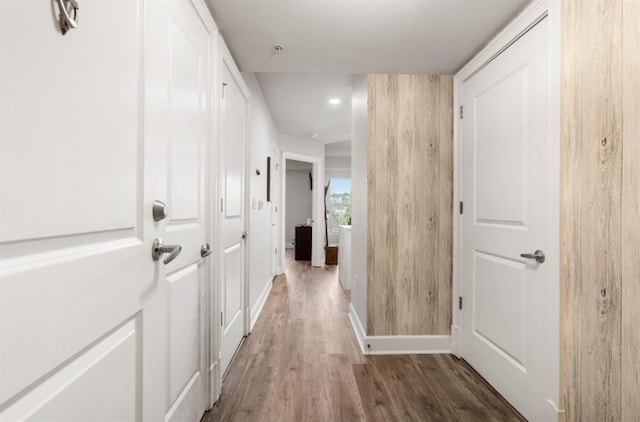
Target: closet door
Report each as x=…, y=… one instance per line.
x=506, y=227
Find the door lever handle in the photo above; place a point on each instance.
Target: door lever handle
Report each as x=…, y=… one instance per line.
x=205, y=250
x=537, y=255
x=158, y=249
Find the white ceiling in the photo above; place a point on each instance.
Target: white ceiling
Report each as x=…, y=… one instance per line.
x=359, y=36
x=326, y=41
x=299, y=104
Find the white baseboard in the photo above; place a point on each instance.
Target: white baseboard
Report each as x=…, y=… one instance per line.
x=397, y=345
x=214, y=376
x=455, y=340
x=554, y=413
x=358, y=329
x=257, y=307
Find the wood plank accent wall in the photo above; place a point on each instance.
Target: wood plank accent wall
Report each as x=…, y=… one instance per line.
x=410, y=187
x=631, y=212
x=600, y=210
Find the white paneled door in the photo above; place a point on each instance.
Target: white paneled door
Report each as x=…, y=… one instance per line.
x=95, y=126
x=187, y=47
x=232, y=212
x=506, y=206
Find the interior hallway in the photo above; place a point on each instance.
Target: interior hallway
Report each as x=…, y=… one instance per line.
x=302, y=363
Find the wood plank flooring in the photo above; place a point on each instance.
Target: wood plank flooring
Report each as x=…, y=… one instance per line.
x=302, y=363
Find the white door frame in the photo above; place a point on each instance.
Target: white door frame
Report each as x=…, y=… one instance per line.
x=317, y=235
x=520, y=25
x=276, y=208
x=223, y=55
x=213, y=340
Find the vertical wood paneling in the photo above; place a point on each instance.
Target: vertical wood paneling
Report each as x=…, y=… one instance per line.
x=631, y=213
x=409, y=212
x=600, y=209
x=570, y=274
x=445, y=191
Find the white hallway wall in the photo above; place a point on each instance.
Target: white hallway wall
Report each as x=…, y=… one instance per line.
x=359, y=129
x=263, y=140
x=299, y=198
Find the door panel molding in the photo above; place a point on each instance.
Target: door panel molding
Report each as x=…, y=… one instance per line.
x=116, y=352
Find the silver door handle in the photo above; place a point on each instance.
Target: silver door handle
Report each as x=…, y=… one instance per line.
x=537, y=255
x=205, y=250
x=158, y=249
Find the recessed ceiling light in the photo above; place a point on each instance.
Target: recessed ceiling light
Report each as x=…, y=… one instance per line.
x=315, y=134
x=335, y=101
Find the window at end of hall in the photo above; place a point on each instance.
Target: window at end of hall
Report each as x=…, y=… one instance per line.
x=339, y=203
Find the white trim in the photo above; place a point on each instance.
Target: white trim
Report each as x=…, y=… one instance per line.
x=553, y=412
x=397, y=345
x=455, y=340
x=531, y=15
x=257, y=307
x=457, y=219
x=510, y=33
x=213, y=335
x=357, y=328
x=553, y=294
x=215, y=381
x=205, y=16
x=227, y=57
x=408, y=345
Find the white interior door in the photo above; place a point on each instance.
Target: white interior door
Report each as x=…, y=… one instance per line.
x=76, y=274
x=506, y=197
x=90, y=326
x=232, y=214
x=187, y=51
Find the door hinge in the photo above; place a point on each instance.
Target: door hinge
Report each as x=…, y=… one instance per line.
x=459, y=302
x=221, y=204
x=224, y=85
x=461, y=207
x=276, y=251
x=461, y=112
x=221, y=323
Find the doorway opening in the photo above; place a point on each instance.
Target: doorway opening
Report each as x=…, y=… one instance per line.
x=298, y=208
x=302, y=221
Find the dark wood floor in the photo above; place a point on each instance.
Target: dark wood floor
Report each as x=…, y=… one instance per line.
x=302, y=363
